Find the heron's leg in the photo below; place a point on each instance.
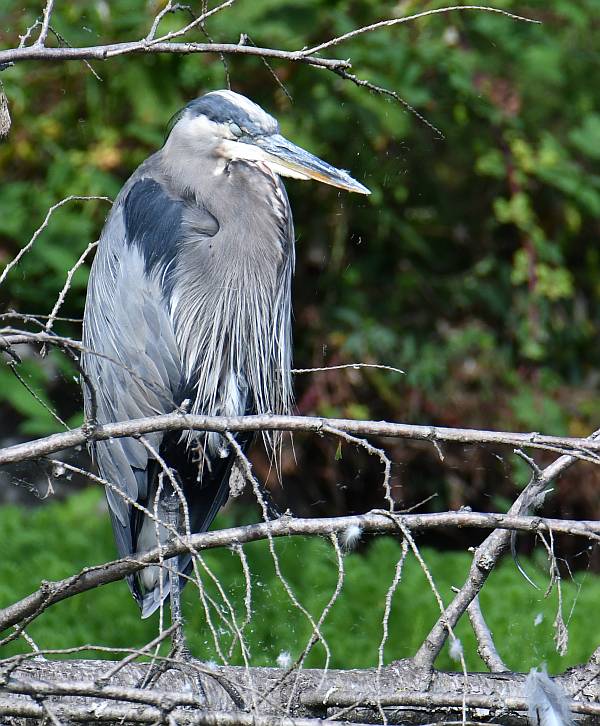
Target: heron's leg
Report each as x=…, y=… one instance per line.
x=180, y=649
x=180, y=657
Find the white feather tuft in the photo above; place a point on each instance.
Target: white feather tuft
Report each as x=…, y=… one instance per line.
x=547, y=703
x=456, y=649
x=539, y=619
x=284, y=659
x=351, y=536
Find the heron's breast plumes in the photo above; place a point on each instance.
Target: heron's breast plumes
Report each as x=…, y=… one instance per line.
x=231, y=312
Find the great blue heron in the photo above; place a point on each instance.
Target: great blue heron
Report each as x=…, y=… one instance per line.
x=189, y=298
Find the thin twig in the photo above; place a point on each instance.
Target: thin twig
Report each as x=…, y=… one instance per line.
x=382, y=91
x=374, y=451
x=45, y=23
x=194, y=23
x=40, y=229
x=63, y=293
x=484, y=560
x=407, y=19
x=353, y=366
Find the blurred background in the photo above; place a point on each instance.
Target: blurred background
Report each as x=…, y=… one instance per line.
x=474, y=266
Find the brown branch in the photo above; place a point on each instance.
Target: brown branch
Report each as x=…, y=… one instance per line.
x=91, y=577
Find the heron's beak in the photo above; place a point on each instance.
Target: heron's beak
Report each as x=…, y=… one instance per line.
x=287, y=159
x=294, y=159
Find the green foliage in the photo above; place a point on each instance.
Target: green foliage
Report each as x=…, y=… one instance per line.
x=489, y=233
x=55, y=540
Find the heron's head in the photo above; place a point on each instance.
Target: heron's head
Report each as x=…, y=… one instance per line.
x=225, y=126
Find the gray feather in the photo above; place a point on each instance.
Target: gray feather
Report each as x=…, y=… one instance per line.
x=547, y=703
x=138, y=370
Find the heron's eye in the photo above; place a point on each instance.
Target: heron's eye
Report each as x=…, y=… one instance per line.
x=235, y=129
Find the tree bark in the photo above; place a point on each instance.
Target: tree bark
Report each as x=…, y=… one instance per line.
x=236, y=696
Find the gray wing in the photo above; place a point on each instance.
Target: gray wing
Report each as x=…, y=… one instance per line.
x=133, y=365
x=133, y=359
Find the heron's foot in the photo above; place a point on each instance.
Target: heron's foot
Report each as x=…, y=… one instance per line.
x=179, y=659
x=183, y=662
x=155, y=671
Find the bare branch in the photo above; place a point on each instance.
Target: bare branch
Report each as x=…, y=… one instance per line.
x=43, y=226
x=486, y=557
x=91, y=577
x=28, y=33
x=573, y=447
x=63, y=293
x=373, y=451
x=362, y=83
x=196, y=22
x=112, y=50
x=149, y=44
x=401, y=687
x=246, y=469
x=168, y=8
x=106, y=677
x=485, y=642
x=353, y=366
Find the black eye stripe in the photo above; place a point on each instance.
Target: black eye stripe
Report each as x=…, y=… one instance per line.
x=219, y=110
x=222, y=110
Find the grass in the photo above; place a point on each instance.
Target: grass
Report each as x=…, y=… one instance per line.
x=57, y=539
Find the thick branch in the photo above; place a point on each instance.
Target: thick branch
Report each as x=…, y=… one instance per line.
x=405, y=694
